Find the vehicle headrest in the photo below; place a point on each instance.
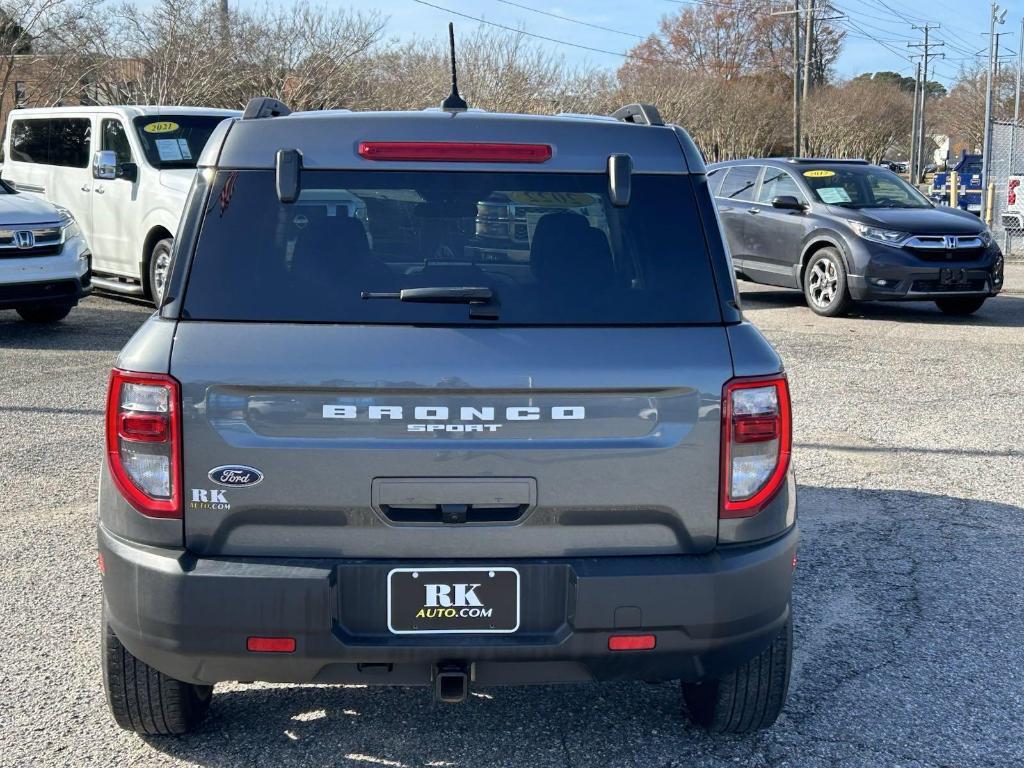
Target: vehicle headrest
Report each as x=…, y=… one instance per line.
x=566, y=247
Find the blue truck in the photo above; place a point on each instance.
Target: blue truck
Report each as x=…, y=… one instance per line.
x=969, y=191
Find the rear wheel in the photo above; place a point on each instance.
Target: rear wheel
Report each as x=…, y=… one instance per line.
x=961, y=305
x=45, y=313
x=749, y=698
x=825, y=285
x=146, y=701
x=159, y=269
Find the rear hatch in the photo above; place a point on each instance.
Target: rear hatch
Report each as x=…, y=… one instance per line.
x=569, y=407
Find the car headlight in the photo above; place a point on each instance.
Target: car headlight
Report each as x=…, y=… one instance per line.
x=986, y=237
x=876, y=234
x=68, y=225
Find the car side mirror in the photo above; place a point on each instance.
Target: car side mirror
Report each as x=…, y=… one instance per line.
x=787, y=203
x=128, y=171
x=104, y=165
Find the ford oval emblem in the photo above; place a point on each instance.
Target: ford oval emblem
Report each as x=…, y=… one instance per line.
x=236, y=476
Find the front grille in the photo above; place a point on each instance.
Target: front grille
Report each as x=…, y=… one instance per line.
x=957, y=254
x=934, y=286
x=56, y=289
x=46, y=240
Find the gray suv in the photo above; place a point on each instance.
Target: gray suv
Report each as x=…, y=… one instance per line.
x=845, y=230
x=449, y=399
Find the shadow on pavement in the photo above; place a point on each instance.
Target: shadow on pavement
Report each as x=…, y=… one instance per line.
x=901, y=656
x=1004, y=310
x=92, y=325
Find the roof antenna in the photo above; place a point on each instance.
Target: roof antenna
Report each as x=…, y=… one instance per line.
x=454, y=102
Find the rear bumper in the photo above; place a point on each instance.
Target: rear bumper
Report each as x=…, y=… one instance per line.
x=190, y=617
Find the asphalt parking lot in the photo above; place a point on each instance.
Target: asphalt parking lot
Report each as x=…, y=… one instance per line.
x=909, y=619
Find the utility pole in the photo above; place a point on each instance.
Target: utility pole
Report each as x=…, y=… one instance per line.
x=796, y=78
x=997, y=17
x=926, y=46
x=808, y=46
x=1020, y=63
x=913, y=122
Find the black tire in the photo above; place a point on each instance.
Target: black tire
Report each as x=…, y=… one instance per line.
x=45, y=313
x=146, y=701
x=837, y=290
x=961, y=305
x=749, y=698
x=159, y=269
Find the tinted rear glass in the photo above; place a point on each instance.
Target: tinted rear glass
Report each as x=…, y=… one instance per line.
x=739, y=184
x=56, y=141
x=550, y=247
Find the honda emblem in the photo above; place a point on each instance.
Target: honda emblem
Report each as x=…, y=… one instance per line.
x=24, y=239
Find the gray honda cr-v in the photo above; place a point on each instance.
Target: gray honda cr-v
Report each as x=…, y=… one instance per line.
x=449, y=399
x=846, y=230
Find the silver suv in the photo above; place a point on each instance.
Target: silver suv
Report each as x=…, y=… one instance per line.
x=450, y=399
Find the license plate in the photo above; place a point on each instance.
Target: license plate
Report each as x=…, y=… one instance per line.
x=952, y=277
x=453, y=600
x=974, y=206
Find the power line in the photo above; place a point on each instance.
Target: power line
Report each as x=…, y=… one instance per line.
x=574, y=21
x=521, y=31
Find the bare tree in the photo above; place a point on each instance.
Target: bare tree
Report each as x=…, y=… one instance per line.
x=32, y=30
x=859, y=118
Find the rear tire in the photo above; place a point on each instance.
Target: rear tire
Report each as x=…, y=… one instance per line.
x=146, y=701
x=46, y=313
x=825, y=284
x=961, y=305
x=749, y=698
x=159, y=269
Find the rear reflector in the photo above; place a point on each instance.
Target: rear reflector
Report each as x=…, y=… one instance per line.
x=271, y=644
x=454, y=152
x=631, y=642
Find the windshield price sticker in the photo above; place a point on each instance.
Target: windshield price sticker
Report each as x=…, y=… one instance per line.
x=821, y=173
x=164, y=126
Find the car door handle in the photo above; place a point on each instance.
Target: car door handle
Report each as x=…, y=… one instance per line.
x=753, y=211
x=99, y=190
x=86, y=188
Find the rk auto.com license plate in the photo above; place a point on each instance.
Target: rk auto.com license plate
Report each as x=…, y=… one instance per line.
x=453, y=600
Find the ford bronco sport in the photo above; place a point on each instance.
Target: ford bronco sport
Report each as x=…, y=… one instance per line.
x=450, y=399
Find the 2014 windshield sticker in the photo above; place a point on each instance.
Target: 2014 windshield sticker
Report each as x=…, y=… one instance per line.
x=203, y=498
x=819, y=173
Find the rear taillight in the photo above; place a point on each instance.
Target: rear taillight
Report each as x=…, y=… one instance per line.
x=756, y=443
x=454, y=151
x=144, y=441
x=1011, y=193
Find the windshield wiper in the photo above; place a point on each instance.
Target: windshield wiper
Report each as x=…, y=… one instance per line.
x=481, y=301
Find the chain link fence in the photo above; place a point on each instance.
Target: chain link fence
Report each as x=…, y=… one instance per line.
x=1007, y=184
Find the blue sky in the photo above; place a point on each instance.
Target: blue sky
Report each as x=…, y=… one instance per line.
x=878, y=30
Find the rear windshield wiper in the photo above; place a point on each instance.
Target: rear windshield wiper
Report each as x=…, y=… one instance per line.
x=481, y=300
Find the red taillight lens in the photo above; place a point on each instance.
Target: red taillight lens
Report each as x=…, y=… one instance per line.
x=1011, y=195
x=631, y=642
x=455, y=152
x=756, y=443
x=270, y=644
x=144, y=441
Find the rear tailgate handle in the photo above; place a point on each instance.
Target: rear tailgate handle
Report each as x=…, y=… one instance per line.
x=453, y=499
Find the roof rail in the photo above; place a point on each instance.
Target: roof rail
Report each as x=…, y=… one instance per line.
x=642, y=114
x=260, y=107
x=838, y=160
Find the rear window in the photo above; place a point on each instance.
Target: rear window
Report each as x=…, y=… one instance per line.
x=739, y=184
x=551, y=249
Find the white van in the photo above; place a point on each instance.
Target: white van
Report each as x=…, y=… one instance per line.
x=122, y=172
